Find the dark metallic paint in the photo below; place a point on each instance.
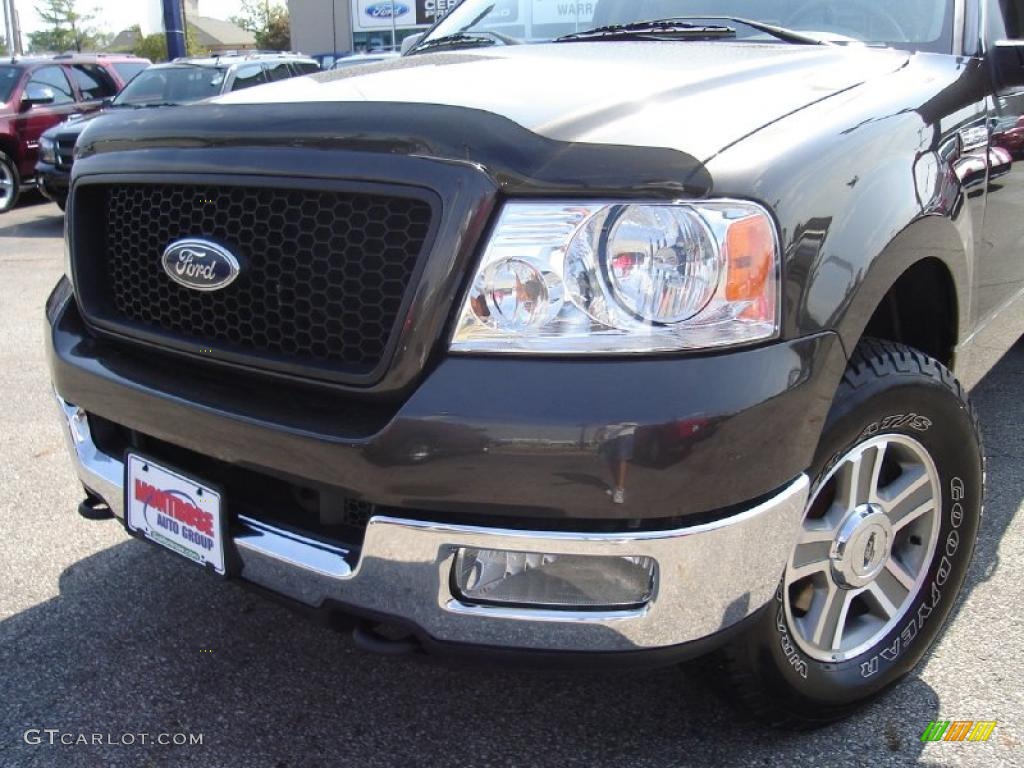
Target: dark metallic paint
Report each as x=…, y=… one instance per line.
x=486, y=437
x=862, y=176
x=864, y=186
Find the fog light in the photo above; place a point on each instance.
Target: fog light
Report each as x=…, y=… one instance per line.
x=535, y=580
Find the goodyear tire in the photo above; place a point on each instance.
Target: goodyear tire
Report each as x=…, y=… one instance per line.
x=875, y=572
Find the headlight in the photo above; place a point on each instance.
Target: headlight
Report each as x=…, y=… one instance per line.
x=47, y=150
x=560, y=278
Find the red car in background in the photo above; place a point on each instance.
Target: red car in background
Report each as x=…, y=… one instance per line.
x=37, y=93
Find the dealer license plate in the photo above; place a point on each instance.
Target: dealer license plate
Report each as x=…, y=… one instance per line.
x=174, y=510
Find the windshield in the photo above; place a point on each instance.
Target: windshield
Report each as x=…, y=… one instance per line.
x=925, y=25
x=9, y=77
x=172, y=85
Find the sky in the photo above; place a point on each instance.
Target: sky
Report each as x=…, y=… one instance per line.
x=115, y=15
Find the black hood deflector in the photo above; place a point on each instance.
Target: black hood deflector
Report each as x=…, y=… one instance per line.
x=518, y=160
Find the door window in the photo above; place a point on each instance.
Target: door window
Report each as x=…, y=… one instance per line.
x=278, y=71
x=93, y=81
x=129, y=69
x=54, y=79
x=247, y=77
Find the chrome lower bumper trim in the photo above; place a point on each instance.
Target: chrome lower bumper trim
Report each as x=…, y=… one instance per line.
x=710, y=576
x=100, y=473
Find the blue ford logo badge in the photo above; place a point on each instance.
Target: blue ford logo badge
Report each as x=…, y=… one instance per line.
x=386, y=10
x=200, y=265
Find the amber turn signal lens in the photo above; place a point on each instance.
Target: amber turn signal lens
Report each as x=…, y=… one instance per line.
x=750, y=250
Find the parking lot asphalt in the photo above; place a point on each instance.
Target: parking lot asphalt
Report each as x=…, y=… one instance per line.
x=102, y=634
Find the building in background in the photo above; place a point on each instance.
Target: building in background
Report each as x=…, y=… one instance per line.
x=209, y=34
x=366, y=25
x=216, y=35
x=358, y=25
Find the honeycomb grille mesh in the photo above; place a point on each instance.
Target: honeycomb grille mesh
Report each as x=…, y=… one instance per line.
x=324, y=274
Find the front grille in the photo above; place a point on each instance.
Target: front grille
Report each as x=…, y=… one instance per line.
x=65, y=152
x=324, y=273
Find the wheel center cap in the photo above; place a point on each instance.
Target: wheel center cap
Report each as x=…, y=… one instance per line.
x=861, y=547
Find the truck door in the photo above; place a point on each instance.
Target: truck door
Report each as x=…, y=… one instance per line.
x=31, y=123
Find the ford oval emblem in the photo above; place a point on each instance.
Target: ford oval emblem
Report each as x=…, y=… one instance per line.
x=386, y=10
x=200, y=265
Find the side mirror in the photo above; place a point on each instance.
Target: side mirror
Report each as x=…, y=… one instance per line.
x=410, y=41
x=37, y=95
x=1008, y=62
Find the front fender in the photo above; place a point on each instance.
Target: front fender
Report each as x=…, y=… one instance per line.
x=864, y=185
x=9, y=139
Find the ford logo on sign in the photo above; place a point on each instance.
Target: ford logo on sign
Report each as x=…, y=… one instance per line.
x=200, y=265
x=386, y=10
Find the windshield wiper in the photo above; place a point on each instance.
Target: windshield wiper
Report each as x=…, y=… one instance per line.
x=683, y=26
x=782, y=33
x=454, y=40
x=658, y=29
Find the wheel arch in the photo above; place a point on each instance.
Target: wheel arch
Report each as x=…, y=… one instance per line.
x=915, y=292
x=9, y=146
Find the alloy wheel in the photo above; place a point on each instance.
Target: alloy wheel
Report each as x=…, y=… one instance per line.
x=6, y=187
x=865, y=546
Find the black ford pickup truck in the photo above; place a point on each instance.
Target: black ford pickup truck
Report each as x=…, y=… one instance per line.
x=627, y=338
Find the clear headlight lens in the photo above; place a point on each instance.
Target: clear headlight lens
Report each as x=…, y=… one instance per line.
x=47, y=150
x=662, y=263
x=622, y=277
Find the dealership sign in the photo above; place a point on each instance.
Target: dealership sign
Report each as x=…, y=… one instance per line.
x=562, y=11
x=374, y=15
x=429, y=11
x=370, y=15
x=503, y=12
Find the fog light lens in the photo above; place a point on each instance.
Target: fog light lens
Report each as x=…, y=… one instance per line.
x=535, y=580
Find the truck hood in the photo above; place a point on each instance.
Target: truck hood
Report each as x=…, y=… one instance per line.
x=691, y=96
x=72, y=127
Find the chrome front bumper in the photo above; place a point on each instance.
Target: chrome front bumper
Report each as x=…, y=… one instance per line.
x=709, y=576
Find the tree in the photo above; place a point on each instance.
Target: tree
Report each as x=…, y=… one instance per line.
x=101, y=40
x=268, y=21
x=154, y=47
x=66, y=29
